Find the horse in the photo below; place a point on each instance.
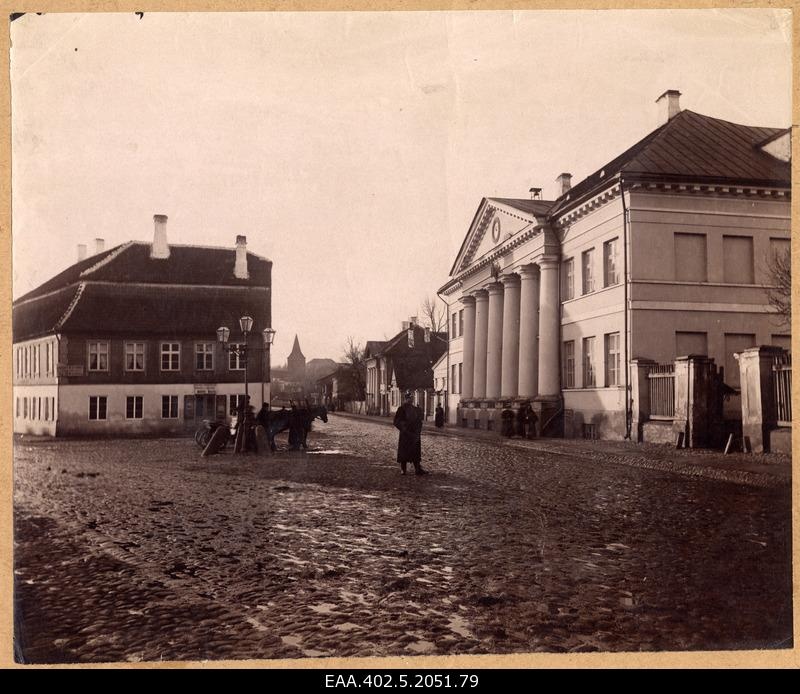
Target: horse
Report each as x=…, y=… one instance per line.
x=281, y=420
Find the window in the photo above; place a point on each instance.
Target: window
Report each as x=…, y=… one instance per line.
x=568, y=280
x=35, y=349
x=453, y=333
x=588, y=271
x=461, y=322
x=98, y=356
x=204, y=356
x=97, y=407
x=134, y=356
x=133, y=407
x=25, y=371
x=169, y=406
x=690, y=258
x=687, y=343
x=235, y=362
x=170, y=356
x=460, y=374
x=589, y=379
x=453, y=378
x=47, y=409
x=19, y=411
x=612, y=359
x=569, y=364
x=24, y=408
x=48, y=354
x=737, y=259
x=610, y=272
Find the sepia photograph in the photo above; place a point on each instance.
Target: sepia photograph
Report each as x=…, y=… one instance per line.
x=383, y=337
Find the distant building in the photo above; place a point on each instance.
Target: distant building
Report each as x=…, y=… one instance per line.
x=124, y=341
x=296, y=363
x=404, y=363
x=661, y=252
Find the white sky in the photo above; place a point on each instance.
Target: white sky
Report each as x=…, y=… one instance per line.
x=352, y=149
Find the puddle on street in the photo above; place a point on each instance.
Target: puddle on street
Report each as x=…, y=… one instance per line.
x=323, y=608
x=420, y=647
x=460, y=627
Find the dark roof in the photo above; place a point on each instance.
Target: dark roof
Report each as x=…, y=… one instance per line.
x=693, y=147
x=412, y=373
x=108, y=309
x=535, y=207
x=296, y=352
x=131, y=262
x=374, y=347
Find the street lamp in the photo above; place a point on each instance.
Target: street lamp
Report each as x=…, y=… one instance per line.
x=242, y=352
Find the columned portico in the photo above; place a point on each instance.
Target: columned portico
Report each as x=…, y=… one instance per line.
x=549, y=377
x=494, y=341
x=468, y=368
x=510, y=359
x=528, y=331
x=481, y=335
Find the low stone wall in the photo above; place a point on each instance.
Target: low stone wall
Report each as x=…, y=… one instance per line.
x=658, y=432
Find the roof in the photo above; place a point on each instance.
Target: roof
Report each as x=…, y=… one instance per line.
x=697, y=147
x=131, y=262
x=374, y=347
x=412, y=373
x=296, y=352
x=535, y=207
x=109, y=309
x=124, y=290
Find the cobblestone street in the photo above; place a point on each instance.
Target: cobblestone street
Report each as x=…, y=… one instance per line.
x=141, y=550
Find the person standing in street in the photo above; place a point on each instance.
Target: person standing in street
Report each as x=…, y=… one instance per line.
x=438, y=418
x=408, y=420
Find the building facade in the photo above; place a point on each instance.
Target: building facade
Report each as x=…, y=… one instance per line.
x=124, y=342
x=662, y=252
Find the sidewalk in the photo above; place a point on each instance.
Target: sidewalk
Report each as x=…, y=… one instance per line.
x=761, y=470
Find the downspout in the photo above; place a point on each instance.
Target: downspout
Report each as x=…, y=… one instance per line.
x=626, y=309
x=447, y=375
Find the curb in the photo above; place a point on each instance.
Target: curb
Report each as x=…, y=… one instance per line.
x=678, y=467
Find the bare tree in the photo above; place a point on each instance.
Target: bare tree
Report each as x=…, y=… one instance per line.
x=433, y=315
x=780, y=293
x=354, y=358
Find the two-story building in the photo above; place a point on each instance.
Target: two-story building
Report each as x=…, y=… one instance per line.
x=124, y=341
x=404, y=363
x=662, y=252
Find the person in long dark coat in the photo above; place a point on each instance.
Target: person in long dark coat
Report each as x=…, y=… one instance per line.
x=408, y=419
x=438, y=419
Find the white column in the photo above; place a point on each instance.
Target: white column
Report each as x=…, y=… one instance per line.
x=481, y=332
x=528, y=331
x=510, y=362
x=468, y=368
x=549, y=376
x=494, y=341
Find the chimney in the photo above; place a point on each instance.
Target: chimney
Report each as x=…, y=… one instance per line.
x=406, y=325
x=413, y=320
x=670, y=105
x=81, y=251
x=240, y=268
x=160, y=247
x=99, y=245
x=564, y=183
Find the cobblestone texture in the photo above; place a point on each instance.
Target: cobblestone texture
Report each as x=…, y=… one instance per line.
x=141, y=550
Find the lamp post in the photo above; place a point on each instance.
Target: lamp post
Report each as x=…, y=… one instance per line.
x=242, y=352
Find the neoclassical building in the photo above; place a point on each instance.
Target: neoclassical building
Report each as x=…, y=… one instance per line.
x=664, y=251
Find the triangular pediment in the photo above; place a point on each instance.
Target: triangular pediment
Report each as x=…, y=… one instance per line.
x=494, y=223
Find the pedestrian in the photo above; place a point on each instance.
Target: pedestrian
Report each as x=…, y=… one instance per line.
x=533, y=418
x=408, y=419
x=438, y=418
x=296, y=424
x=522, y=419
x=507, y=423
x=263, y=416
